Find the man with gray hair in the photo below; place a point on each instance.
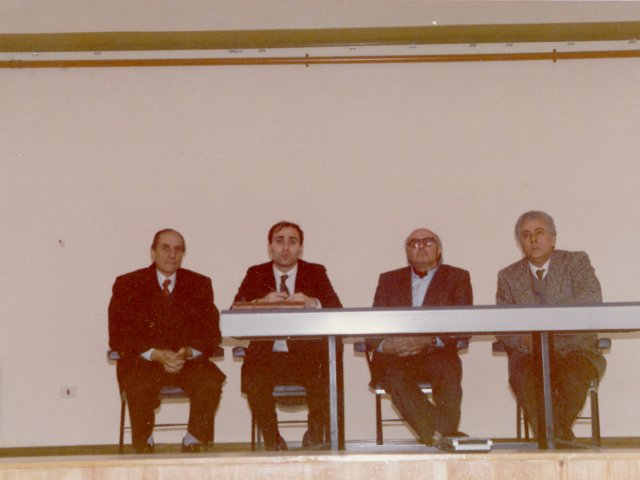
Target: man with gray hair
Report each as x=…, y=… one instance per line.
x=400, y=363
x=549, y=276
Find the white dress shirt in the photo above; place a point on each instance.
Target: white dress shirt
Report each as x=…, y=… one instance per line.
x=544, y=267
x=290, y=282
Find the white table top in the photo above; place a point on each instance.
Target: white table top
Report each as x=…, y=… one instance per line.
x=607, y=317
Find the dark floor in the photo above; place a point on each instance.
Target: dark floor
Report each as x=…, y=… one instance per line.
x=607, y=443
x=107, y=450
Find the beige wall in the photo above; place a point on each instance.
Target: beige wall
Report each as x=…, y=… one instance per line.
x=37, y=16
x=93, y=162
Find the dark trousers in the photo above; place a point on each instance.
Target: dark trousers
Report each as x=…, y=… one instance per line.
x=141, y=381
x=571, y=376
x=282, y=368
x=400, y=376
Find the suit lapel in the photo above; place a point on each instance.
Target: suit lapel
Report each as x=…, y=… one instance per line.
x=523, y=284
x=554, y=280
x=151, y=286
x=179, y=286
x=266, y=280
x=404, y=288
x=438, y=283
x=302, y=278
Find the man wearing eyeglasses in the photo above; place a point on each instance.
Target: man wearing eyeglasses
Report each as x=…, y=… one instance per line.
x=401, y=363
x=164, y=324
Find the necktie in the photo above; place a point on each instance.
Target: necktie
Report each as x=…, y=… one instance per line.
x=165, y=287
x=420, y=274
x=540, y=273
x=283, y=284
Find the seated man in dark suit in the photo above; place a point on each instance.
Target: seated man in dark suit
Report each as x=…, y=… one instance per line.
x=400, y=363
x=549, y=276
x=164, y=324
x=287, y=278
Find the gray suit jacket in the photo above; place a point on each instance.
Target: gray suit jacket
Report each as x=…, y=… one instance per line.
x=571, y=280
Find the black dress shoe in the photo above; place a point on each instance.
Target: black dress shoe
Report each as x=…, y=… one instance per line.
x=192, y=448
x=312, y=441
x=429, y=438
x=564, y=444
x=429, y=442
x=282, y=445
x=565, y=434
x=279, y=446
x=457, y=433
x=143, y=449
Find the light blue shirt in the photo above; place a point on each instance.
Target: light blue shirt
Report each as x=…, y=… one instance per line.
x=419, y=286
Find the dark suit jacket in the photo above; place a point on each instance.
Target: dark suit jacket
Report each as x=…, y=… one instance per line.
x=311, y=279
x=450, y=286
x=141, y=317
x=571, y=280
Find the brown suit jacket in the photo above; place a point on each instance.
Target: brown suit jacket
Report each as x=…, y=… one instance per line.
x=140, y=317
x=571, y=280
x=312, y=280
x=450, y=286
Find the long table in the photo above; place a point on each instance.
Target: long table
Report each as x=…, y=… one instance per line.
x=540, y=320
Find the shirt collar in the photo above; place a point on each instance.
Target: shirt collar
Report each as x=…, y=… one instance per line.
x=544, y=267
x=291, y=273
x=291, y=277
x=430, y=274
x=161, y=278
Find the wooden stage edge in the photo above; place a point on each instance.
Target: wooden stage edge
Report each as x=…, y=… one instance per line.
x=619, y=464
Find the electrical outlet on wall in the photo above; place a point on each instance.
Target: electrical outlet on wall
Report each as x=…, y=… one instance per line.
x=70, y=391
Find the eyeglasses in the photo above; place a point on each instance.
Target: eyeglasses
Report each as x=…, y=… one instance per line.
x=422, y=242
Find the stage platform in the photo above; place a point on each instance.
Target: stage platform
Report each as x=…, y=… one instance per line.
x=360, y=461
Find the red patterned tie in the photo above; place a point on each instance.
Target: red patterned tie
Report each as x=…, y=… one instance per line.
x=165, y=287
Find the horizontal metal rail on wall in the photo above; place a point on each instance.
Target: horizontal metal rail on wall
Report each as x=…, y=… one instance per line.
x=328, y=60
x=93, y=43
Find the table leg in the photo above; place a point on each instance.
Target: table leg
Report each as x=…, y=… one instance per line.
x=333, y=393
x=543, y=344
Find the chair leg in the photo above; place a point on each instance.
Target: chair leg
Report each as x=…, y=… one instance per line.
x=213, y=434
x=518, y=420
x=522, y=422
x=123, y=411
x=379, y=439
x=595, y=419
x=254, y=427
x=327, y=428
x=258, y=436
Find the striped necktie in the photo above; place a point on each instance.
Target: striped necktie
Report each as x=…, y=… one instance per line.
x=283, y=284
x=165, y=287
